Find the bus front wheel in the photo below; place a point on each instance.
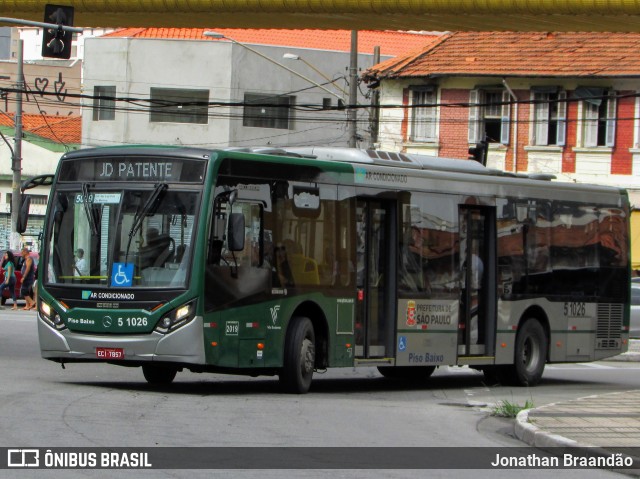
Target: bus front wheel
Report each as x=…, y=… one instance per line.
x=530, y=355
x=299, y=357
x=159, y=375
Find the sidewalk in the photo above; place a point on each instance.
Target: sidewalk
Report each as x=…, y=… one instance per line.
x=607, y=421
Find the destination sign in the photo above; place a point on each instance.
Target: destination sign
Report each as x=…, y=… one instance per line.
x=149, y=169
x=137, y=169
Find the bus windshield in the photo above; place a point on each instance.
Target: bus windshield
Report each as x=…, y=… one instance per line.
x=119, y=238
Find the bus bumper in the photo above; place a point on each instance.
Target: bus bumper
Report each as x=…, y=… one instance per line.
x=184, y=345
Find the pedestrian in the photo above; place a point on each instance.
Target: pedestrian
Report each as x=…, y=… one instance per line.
x=28, y=277
x=8, y=264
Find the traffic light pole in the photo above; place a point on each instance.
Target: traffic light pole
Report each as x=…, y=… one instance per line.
x=16, y=161
x=29, y=23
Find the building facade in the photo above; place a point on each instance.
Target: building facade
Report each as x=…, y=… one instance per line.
x=565, y=104
x=242, y=89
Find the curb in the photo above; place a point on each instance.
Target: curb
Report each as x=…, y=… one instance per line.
x=536, y=437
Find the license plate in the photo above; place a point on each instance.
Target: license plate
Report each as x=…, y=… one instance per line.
x=110, y=353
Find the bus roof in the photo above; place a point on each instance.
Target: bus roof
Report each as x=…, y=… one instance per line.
x=390, y=158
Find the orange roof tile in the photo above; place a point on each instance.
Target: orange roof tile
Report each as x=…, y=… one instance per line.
x=390, y=42
x=59, y=129
x=66, y=129
x=526, y=54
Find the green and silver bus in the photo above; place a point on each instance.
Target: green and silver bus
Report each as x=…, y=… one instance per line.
x=286, y=262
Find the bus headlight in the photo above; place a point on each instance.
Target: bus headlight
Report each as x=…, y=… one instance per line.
x=177, y=318
x=51, y=316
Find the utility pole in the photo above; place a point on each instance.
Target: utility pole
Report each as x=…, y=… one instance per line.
x=375, y=106
x=352, y=116
x=16, y=161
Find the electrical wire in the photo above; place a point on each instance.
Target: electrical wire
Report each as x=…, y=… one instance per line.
x=66, y=147
x=142, y=105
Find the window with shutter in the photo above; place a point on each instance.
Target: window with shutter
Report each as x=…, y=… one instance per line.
x=505, y=120
x=541, y=118
x=489, y=116
x=474, y=117
x=610, y=135
x=561, y=127
x=423, y=127
x=550, y=117
x=599, y=120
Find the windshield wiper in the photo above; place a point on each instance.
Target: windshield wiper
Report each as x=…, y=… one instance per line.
x=148, y=209
x=87, y=209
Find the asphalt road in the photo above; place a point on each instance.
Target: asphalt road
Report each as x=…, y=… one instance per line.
x=100, y=405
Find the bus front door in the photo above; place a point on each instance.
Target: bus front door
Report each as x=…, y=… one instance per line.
x=477, y=302
x=376, y=272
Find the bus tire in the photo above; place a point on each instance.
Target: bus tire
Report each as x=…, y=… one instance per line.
x=530, y=355
x=159, y=375
x=413, y=373
x=299, y=356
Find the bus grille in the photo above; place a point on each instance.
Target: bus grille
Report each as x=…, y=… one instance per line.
x=609, y=327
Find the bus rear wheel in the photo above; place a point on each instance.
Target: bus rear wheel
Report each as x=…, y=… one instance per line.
x=159, y=375
x=530, y=355
x=299, y=356
x=412, y=373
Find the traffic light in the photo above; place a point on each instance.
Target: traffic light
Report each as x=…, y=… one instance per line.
x=479, y=152
x=56, y=43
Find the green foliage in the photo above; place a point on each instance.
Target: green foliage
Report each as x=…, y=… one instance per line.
x=509, y=409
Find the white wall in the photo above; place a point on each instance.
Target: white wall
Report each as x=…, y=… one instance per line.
x=227, y=70
x=35, y=161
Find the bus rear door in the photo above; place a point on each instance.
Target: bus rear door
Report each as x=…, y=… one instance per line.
x=478, y=293
x=376, y=272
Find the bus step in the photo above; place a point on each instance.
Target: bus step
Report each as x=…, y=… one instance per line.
x=475, y=360
x=373, y=362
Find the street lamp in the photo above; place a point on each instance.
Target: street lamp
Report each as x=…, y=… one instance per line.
x=291, y=56
x=221, y=36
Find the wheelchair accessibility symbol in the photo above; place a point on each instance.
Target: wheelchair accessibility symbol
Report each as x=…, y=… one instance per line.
x=122, y=275
x=402, y=343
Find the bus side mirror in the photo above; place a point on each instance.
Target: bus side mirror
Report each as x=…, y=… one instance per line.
x=23, y=214
x=235, y=233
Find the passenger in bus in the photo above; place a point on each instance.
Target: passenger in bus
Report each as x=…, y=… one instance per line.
x=282, y=275
x=80, y=266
